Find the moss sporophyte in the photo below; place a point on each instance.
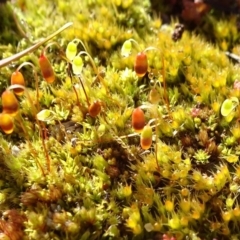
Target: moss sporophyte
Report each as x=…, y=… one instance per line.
x=120, y=128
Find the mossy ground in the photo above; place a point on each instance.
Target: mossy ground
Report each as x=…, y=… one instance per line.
x=96, y=182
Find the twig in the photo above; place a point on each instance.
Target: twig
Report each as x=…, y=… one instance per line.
x=6, y=61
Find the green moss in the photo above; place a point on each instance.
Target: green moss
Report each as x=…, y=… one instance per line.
x=69, y=174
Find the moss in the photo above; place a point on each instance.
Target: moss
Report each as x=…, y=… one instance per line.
x=8, y=26
x=74, y=167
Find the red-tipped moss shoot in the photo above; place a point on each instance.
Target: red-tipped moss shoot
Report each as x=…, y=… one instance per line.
x=146, y=137
x=138, y=119
x=46, y=68
x=6, y=123
x=95, y=108
x=17, y=78
x=10, y=103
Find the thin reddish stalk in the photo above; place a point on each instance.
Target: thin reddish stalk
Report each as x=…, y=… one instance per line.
x=165, y=86
x=20, y=120
x=88, y=102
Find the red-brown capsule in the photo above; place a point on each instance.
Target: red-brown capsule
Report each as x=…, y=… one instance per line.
x=138, y=119
x=17, y=78
x=141, y=64
x=6, y=123
x=146, y=137
x=46, y=68
x=9, y=103
x=95, y=108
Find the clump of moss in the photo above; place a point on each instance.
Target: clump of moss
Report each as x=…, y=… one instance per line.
x=9, y=27
x=75, y=166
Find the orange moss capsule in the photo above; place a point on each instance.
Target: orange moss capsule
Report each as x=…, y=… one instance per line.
x=138, y=119
x=146, y=137
x=6, y=123
x=46, y=68
x=141, y=64
x=9, y=103
x=17, y=78
x=95, y=108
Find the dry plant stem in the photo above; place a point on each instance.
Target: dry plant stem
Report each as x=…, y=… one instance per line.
x=6, y=61
x=233, y=56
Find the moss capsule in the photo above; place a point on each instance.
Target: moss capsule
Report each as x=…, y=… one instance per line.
x=126, y=48
x=17, y=78
x=138, y=119
x=146, y=137
x=6, y=123
x=95, y=108
x=71, y=50
x=229, y=105
x=154, y=96
x=141, y=64
x=46, y=69
x=9, y=103
x=77, y=65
